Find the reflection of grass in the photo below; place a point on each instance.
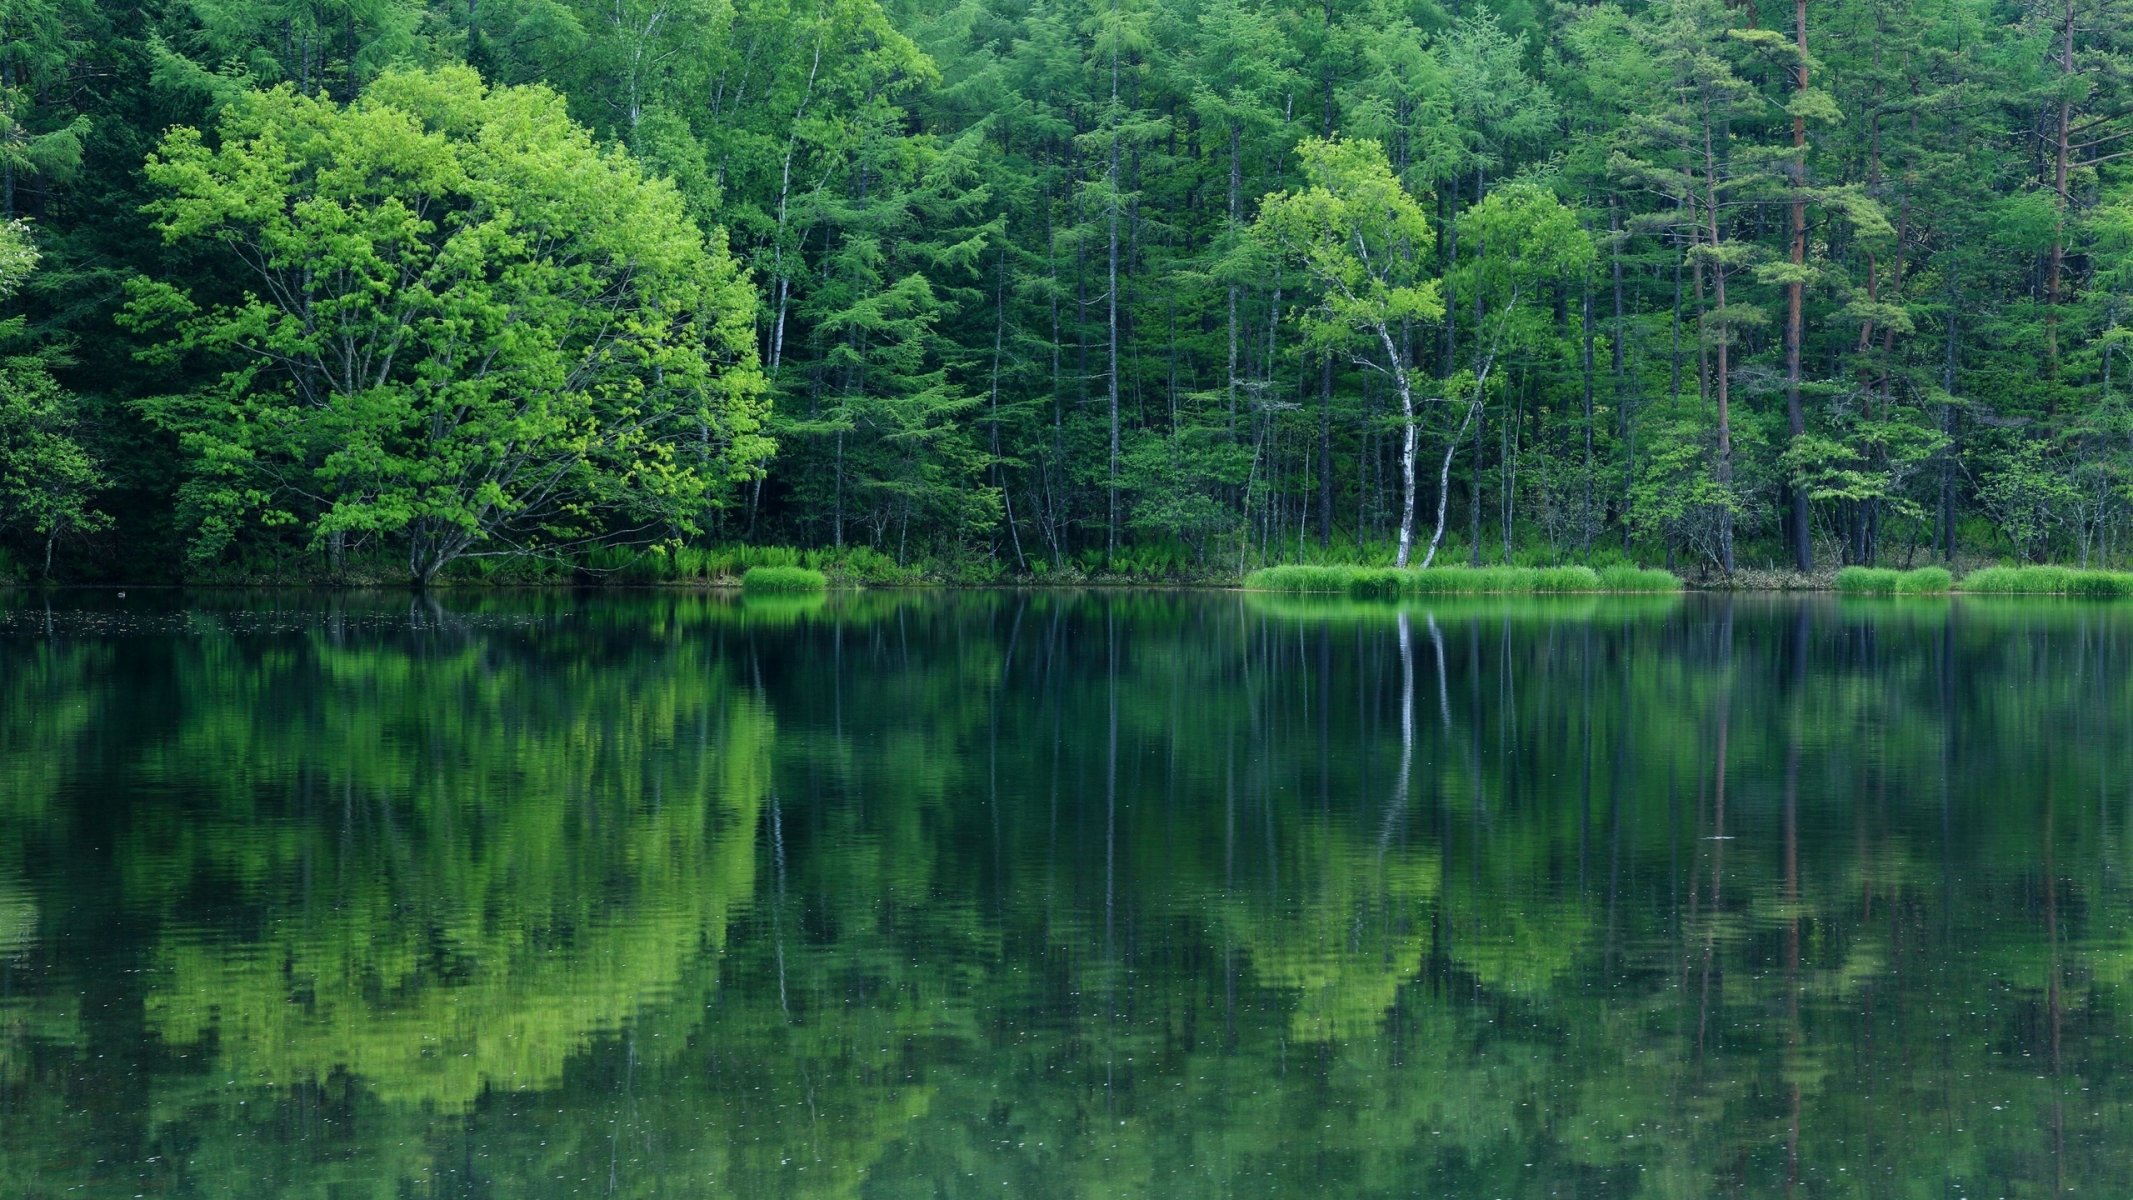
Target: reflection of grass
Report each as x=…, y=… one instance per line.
x=780, y=608
x=1454, y=581
x=1304, y=579
x=2056, y=581
x=791, y=580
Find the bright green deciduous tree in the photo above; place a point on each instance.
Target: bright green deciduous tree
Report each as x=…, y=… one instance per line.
x=1365, y=244
x=467, y=330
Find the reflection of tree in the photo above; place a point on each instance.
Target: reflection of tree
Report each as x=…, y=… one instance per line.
x=1337, y=910
x=491, y=862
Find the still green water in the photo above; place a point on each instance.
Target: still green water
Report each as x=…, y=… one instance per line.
x=1052, y=895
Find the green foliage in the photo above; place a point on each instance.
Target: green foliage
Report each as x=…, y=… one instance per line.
x=475, y=332
x=1205, y=286
x=783, y=579
x=49, y=482
x=1363, y=241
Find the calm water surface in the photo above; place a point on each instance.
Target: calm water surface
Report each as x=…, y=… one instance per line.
x=1058, y=895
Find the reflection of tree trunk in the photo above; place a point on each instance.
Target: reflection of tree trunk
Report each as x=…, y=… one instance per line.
x=1718, y=837
x=1803, y=554
x=1397, y=811
x=777, y=907
x=1792, y=950
x=2053, y=1000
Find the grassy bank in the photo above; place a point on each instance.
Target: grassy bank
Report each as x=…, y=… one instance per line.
x=2048, y=581
x=1458, y=581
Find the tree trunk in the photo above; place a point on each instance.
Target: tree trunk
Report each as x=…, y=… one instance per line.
x=1725, y=339
x=1947, y=428
x=2062, y=165
x=1444, y=482
x=1803, y=551
x=1111, y=304
x=1325, y=452
x=1585, y=516
x=1473, y=516
x=1407, y=456
x=1236, y=220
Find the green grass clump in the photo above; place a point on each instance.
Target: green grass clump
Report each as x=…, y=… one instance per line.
x=2099, y=584
x=2017, y=580
x=1867, y=581
x=1385, y=582
x=1924, y=581
x=1452, y=581
x=2049, y=581
x=1625, y=578
x=797, y=580
x=1380, y=583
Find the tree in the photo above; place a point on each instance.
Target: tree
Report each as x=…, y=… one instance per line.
x=1364, y=243
x=1524, y=240
x=1681, y=147
x=468, y=329
x=48, y=482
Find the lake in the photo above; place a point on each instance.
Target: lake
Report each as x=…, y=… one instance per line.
x=1051, y=894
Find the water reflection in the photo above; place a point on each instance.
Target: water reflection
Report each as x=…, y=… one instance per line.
x=1053, y=894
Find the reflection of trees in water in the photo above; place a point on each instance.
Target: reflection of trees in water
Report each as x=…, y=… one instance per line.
x=1131, y=895
x=460, y=865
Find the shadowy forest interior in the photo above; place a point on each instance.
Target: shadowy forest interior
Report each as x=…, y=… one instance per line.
x=511, y=289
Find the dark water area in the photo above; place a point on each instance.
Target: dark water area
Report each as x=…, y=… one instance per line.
x=1063, y=895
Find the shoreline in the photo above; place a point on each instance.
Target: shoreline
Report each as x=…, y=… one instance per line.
x=734, y=589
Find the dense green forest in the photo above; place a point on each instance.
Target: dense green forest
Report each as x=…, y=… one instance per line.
x=1057, y=288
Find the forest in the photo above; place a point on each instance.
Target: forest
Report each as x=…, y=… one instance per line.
x=380, y=290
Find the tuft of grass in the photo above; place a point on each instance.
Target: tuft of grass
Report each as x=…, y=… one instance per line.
x=1385, y=582
x=1526, y=581
x=1626, y=578
x=1867, y=581
x=791, y=580
x=2099, y=584
x=1924, y=581
x=2048, y=581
